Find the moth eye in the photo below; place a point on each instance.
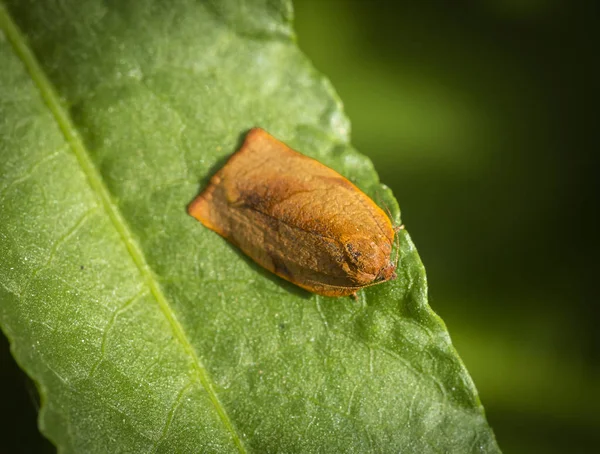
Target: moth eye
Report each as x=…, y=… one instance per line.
x=353, y=253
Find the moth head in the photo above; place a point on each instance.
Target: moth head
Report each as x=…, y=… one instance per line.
x=387, y=273
x=370, y=259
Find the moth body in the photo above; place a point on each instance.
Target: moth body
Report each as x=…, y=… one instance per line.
x=298, y=218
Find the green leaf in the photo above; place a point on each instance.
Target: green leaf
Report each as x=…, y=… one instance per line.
x=145, y=331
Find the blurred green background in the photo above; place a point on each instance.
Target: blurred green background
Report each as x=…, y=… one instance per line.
x=479, y=116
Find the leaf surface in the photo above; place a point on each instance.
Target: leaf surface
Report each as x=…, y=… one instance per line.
x=143, y=330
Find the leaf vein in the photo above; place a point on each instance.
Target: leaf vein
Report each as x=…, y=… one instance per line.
x=171, y=416
x=29, y=173
x=52, y=100
x=109, y=326
x=63, y=239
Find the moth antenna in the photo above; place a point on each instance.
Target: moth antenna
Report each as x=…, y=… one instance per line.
x=397, y=241
x=396, y=230
x=385, y=205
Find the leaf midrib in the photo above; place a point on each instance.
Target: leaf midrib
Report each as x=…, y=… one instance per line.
x=48, y=93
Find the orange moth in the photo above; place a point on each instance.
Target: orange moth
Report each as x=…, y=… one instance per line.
x=298, y=218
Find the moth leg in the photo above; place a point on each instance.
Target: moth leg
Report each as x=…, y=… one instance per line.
x=354, y=296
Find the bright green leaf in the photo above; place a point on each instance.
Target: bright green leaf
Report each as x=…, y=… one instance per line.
x=145, y=331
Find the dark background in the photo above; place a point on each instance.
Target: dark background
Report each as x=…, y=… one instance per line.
x=482, y=117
